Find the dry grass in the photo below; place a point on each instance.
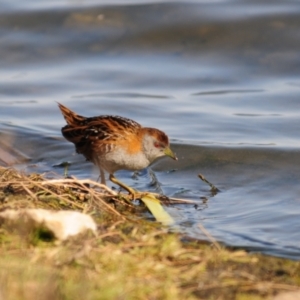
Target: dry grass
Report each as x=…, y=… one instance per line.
x=129, y=259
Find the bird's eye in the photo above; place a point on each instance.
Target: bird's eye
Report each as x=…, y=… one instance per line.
x=157, y=145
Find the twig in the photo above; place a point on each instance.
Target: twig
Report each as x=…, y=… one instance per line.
x=81, y=184
x=79, y=181
x=210, y=237
x=212, y=187
x=29, y=191
x=40, y=185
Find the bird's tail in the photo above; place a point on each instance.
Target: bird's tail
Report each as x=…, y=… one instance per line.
x=70, y=116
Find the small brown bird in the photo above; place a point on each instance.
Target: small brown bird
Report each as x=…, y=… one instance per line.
x=115, y=143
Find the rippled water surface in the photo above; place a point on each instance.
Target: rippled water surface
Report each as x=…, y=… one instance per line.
x=220, y=77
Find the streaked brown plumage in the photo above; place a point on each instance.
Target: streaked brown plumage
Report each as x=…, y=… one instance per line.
x=114, y=143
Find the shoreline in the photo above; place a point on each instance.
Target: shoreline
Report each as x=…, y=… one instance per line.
x=129, y=258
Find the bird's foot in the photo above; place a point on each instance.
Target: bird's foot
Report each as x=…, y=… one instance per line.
x=131, y=191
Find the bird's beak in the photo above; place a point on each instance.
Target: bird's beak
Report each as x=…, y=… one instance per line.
x=169, y=152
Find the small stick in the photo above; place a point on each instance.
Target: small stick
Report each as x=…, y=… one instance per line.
x=212, y=187
x=176, y=200
x=210, y=237
x=40, y=185
x=78, y=181
x=66, y=165
x=28, y=191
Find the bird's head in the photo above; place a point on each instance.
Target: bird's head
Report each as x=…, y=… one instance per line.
x=156, y=144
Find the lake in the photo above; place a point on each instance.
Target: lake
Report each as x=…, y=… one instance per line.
x=221, y=78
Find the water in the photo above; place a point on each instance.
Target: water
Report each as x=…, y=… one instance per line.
x=220, y=77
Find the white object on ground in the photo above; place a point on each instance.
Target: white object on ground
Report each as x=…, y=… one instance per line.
x=62, y=224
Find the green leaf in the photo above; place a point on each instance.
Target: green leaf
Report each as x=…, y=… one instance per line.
x=157, y=210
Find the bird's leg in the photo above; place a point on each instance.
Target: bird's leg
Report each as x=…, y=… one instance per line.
x=102, y=175
x=130, y=190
